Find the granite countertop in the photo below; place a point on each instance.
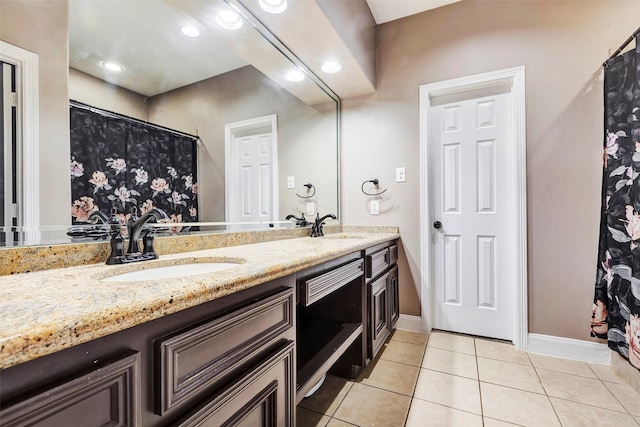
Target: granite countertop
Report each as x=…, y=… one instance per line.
x=47, y=311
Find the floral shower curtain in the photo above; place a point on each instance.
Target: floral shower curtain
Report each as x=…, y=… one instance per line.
x=126, y=165
x=616, y=312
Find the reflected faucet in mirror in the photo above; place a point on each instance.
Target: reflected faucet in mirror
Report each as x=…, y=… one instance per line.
x=300, y=222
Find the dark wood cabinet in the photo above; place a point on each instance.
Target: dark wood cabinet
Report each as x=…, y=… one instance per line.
x=245, y=359
x=394, y=297
x=330, y=321
x=263, y=397
x=232, y=359
x=379, y=313
x=108, y=395
x=383, y=308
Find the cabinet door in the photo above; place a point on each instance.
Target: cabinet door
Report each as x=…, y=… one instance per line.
x=106, y=396
x=378, y=314
x=394, y=302
x=264, y=396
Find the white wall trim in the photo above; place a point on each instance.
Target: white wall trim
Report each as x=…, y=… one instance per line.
x=229, y=155
x=515, y=77
x=28, y=133
x=408, y=322
x=569, y=348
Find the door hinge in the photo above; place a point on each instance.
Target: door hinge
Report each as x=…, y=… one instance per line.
x=14, y=210
x=14, y=99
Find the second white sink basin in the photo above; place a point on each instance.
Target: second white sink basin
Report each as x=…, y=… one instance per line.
x=170, y=271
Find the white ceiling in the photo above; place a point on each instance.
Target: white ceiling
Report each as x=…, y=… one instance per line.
x=389, y=10
x=145, y=37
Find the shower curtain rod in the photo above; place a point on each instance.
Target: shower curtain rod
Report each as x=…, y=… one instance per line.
x=622, y=46
x=115, y=115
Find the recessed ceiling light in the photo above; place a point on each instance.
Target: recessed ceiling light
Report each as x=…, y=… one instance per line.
x=331, y=67
x=295, y=76
x=273, y=6
x=111, y=66
x=228, y=20
x=190, y=31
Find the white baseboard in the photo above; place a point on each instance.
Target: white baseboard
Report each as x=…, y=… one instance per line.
x=569, y=348
x=408, y=322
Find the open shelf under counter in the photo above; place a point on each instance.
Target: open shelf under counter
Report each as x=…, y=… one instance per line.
x=321, y=343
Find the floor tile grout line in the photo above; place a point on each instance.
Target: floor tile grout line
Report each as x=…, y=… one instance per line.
x=447, y=406
x=593, y=406
x=415, y=386
x=555, y=412
x=566, y=373
x=475, y=349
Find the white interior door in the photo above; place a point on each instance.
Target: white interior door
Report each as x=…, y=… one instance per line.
x=473, y=249
x=254, y=173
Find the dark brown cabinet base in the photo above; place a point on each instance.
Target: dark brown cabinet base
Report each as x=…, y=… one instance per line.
x=220, y=357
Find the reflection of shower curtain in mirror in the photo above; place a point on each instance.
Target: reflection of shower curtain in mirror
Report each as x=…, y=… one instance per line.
x=119, y=163
x=616, y=313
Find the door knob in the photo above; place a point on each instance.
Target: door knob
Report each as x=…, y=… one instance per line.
x=437, y=224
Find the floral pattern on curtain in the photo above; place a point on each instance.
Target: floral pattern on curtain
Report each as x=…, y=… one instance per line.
x=123, y=164
x=616, y=309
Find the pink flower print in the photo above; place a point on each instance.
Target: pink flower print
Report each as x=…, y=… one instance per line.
x=612, y=144
x=172, y=172
x=100, y=180
x=193, y=212
x=146, y=206
x=175, y=219
x=632, y=223
x=77, y=169
x=188, y=181
x=159, y=184
x=632, y=335
x=82, y=208
x=599, y=314
x=194, y=188
x=118, y=165
x=123, y=194
x=142, y=176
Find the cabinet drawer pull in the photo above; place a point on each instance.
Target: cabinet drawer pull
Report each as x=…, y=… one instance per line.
x=321, y=286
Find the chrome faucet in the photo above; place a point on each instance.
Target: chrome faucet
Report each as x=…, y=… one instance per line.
x=135, y=227
x=316, y=228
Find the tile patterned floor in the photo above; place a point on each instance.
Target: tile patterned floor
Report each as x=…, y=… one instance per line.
x=452, y=380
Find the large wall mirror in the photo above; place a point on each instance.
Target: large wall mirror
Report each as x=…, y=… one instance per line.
x=227, y=84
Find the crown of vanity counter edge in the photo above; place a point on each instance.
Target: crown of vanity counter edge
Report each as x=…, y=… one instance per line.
x=43, y=312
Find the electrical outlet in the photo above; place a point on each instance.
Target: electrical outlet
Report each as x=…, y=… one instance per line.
x=401, y=175
x=291, y=182
x=311, y=208
x=375, y=207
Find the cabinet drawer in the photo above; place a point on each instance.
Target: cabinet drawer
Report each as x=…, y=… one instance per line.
x=263, y=397
x=202, y=356
x=106, y=396
x=377, y=263
x=321, y=286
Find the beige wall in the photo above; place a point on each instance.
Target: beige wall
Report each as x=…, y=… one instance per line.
x=562, y=45
x=97, y=93
x=306, y=135
x=40, y=26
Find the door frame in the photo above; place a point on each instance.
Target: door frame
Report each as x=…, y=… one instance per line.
x=230, y=184
x=515, y=78
x=28, y=136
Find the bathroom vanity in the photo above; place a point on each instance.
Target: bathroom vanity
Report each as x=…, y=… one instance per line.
x=238, y=347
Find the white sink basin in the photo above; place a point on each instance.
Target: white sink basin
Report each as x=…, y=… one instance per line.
x=170, y=271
